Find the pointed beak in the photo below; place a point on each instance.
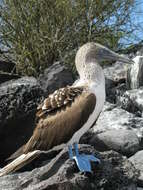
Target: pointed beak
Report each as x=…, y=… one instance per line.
x=109, y=55
x=122, y=58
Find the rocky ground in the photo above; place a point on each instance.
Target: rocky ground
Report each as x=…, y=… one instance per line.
x=117, y=137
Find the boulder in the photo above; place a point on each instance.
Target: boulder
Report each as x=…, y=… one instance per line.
x=114, y=172
x=132, y=101
x=137, y=160
x=18, y=101
x=7, y=66
x=116, y=73
x=115, y=77
x=7, y=70
x=140, y=51
x=115, y=118
x=54, y=77
x=7, y=76
x=115, y=92
x=123, y=141
x=135, y=74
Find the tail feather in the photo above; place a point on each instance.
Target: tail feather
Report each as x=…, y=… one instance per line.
x=19, y=162
x=24, y=159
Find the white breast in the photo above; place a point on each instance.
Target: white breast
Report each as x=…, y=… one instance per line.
x=99, y=92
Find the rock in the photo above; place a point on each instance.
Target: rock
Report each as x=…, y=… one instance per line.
x=110, y=88
x=116, y=73
x=132, y=101
x=135, y=74
x=113, y=94
x=137, y=160
x=54, y=77
x=133, y=50
x=123, y=141
x=7, y=76
x=18, y=101
x=140, y=51
x=7, y=66
x=115, y=118
x=115, y=76
x=114, y=172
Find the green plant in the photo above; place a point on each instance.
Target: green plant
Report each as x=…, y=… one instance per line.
x=38, y=32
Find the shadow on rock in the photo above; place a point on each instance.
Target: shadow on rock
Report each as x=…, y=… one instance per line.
x=114, y=172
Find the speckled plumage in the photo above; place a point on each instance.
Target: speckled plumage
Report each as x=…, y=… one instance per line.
x=58, y=99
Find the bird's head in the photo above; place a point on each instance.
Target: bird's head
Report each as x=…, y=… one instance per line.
x=96, y=52
x=91, y=54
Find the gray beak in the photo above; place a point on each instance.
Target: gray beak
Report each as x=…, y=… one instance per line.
x=109, y=55
x=121, y=58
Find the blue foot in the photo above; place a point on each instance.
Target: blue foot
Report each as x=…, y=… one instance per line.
x=83, y=161
x=70, y=152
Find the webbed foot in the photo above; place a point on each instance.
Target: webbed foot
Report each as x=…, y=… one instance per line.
x=83, y=161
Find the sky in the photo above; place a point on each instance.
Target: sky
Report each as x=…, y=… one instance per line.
x=137, y=16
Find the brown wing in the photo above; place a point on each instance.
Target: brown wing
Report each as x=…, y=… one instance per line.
x=62, y=116
x=58, y=100
x=65, y=111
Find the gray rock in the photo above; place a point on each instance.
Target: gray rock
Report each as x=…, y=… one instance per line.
x=115, y=77
x=54, y=77
x=113, y=94
x=7, y=76
x=7, y=66
x=123, y=141
x=137, y=160
x=115, y=118
x=117, y=72
x=134, y=50
x=135, y=74
x=140, y=51
x=132, y=101
x=18, y=101
x=114, y=172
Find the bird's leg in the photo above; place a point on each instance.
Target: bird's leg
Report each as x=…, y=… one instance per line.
x=70, y=151
x=83, y=161
x=76, y=149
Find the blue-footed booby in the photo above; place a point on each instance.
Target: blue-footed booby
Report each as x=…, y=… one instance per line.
x=69, y=112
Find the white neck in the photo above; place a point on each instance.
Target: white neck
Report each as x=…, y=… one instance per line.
x=98, y=88
x=90, y=72
x=91, y=76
